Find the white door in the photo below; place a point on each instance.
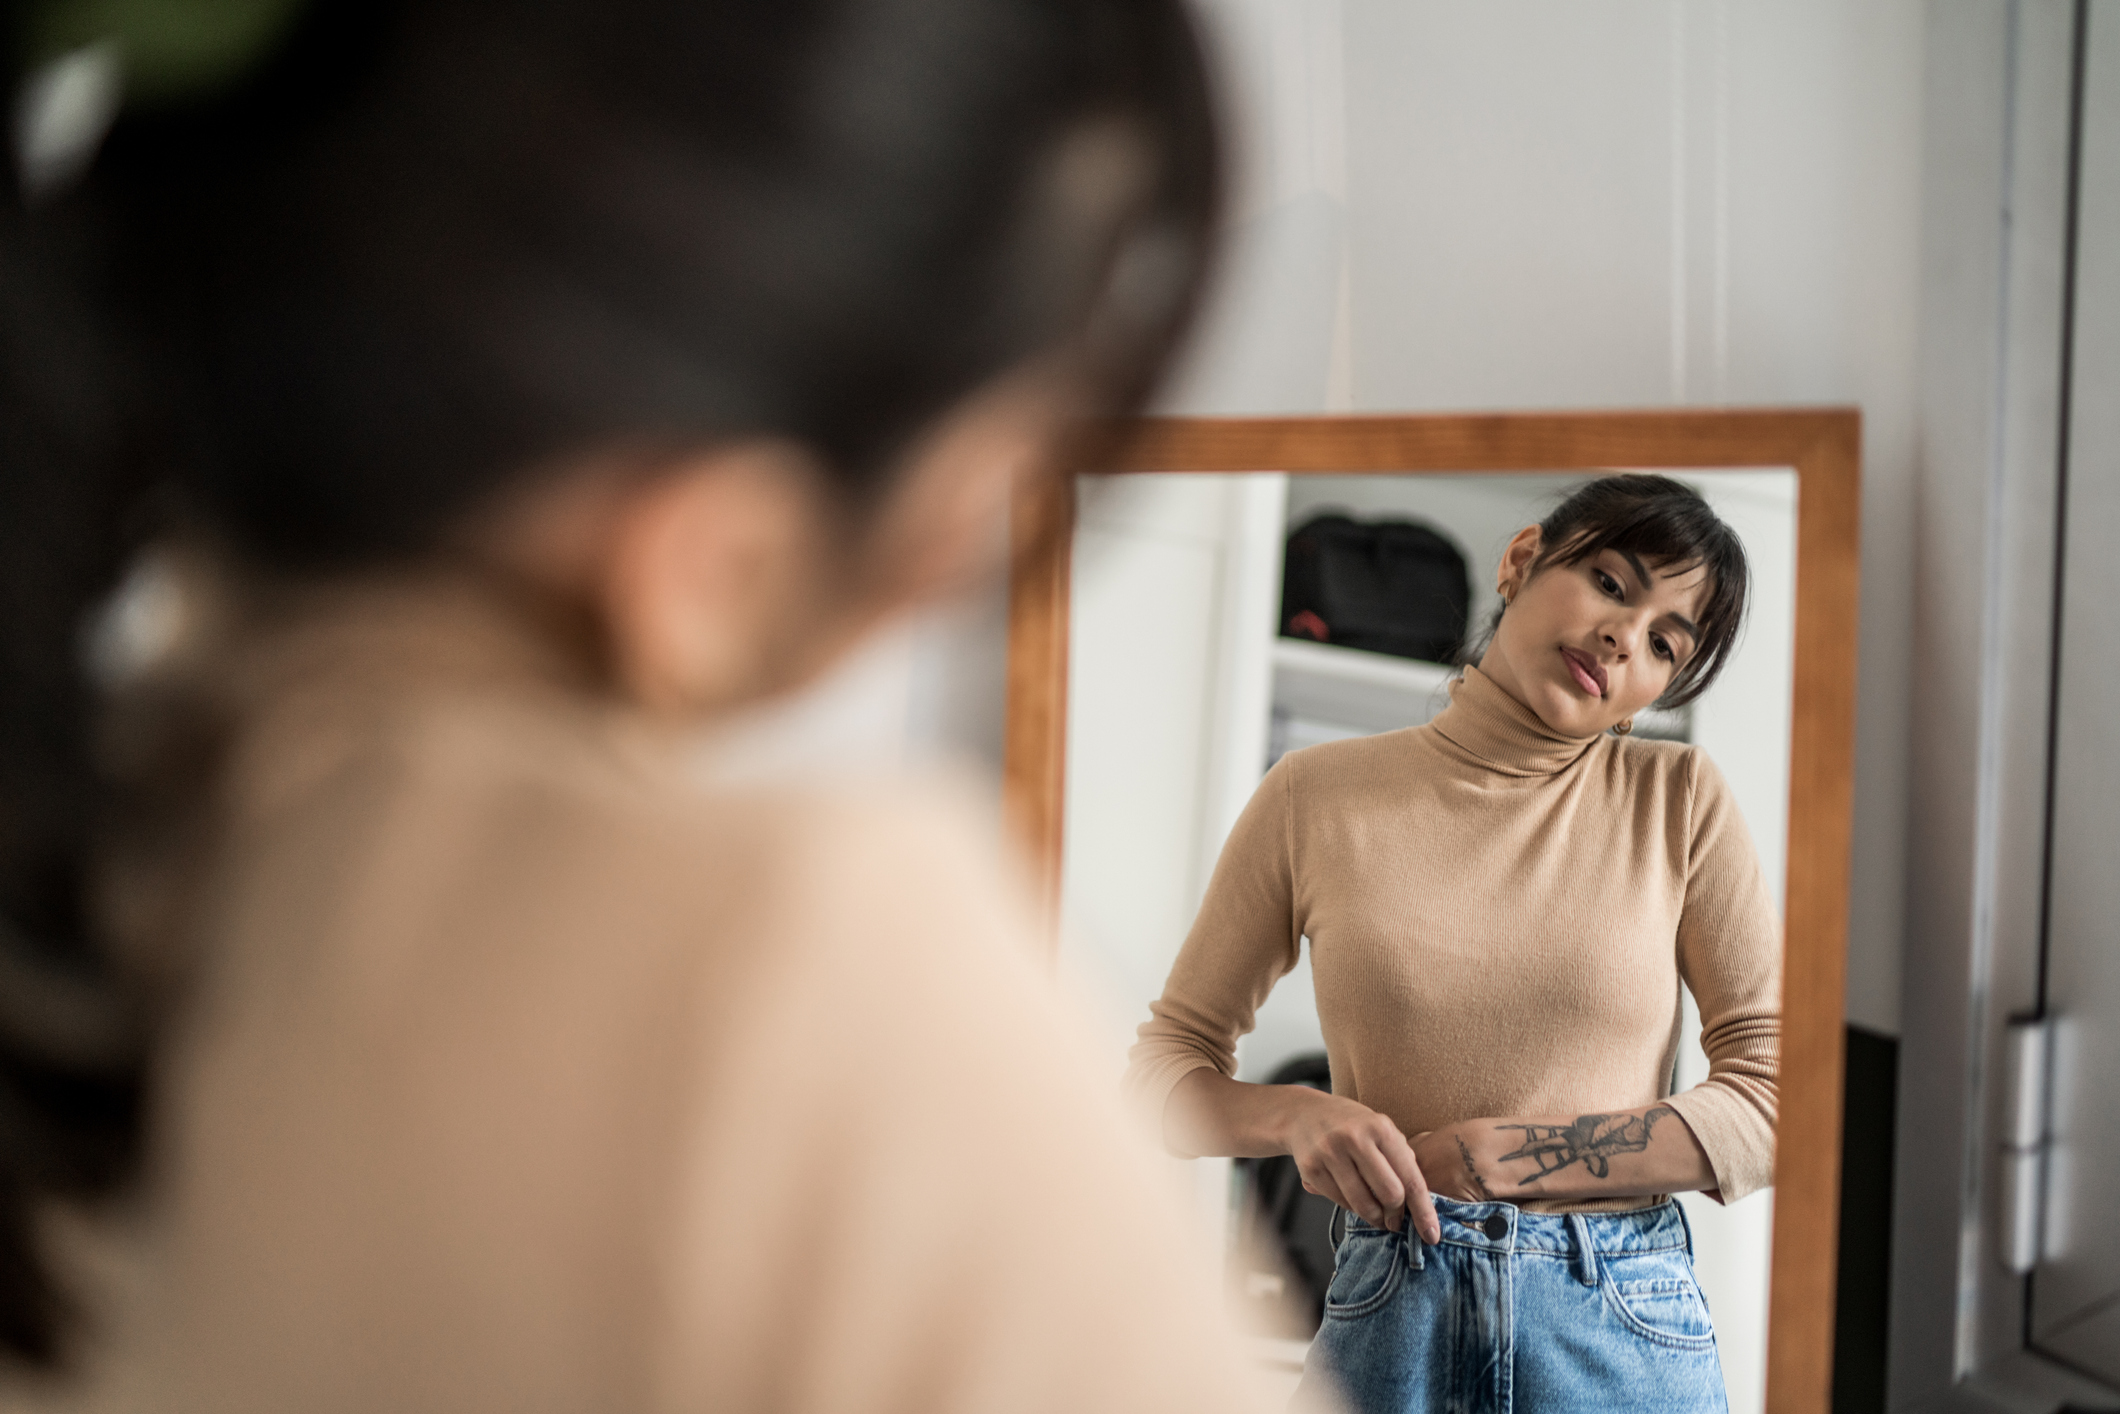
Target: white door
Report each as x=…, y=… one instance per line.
x=2075, y=1290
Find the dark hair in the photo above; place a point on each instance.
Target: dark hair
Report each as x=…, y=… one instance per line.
x=332, y=295
x=1669, y=527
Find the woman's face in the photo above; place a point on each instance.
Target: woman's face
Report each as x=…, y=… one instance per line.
x=1588, y=645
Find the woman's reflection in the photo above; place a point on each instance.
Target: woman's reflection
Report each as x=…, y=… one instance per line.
x=1501, y=907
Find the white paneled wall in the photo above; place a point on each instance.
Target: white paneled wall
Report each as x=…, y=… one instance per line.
x=1275, y=337
x=1514, y=170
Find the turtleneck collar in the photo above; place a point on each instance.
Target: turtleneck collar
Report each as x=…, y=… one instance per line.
x=1485, y=721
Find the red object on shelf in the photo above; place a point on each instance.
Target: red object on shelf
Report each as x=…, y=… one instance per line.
x=1308, y=625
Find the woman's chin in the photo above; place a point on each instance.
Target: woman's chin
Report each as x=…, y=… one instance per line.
x=1567, y=712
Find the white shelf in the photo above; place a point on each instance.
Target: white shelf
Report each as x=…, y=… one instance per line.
x=1332, y=692
x=1368, y=692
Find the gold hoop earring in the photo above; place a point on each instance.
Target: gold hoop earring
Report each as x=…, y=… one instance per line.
x=1622, y=727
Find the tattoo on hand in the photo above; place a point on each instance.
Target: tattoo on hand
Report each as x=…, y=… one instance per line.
x=1592, y=1140
x=1472, y=1169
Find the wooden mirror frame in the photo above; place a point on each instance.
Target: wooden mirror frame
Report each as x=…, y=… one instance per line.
x=1823, y=447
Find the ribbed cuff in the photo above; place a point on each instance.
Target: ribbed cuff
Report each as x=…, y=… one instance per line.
x=1737, y=1139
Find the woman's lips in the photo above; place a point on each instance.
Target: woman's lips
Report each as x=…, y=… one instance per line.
x=1589, y=676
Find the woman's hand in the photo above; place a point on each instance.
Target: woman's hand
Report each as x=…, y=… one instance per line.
x=1451, y=1167
x=1344, y=1151
x=1349, y=1153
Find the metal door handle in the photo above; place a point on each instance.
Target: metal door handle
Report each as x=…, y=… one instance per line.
x=2021, y=1172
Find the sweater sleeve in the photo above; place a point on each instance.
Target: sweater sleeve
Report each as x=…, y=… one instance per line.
x=1729, y=954
x=1245, y=939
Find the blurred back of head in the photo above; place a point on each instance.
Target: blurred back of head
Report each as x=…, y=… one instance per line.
x=342, y=273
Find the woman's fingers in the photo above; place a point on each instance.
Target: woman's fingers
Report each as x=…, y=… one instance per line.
x=1420, y=1203
x=1355, y=1195
x=1381, y=1176
x=1339, y=1174
x=1323, y=1182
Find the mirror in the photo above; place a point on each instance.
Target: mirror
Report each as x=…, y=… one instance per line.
x=1156, y=673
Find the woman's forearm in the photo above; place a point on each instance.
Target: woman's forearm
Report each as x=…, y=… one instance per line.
x=1210, y=1114
x=1614, y=1154
x=1360, y=1160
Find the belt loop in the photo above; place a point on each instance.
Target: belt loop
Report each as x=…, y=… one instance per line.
x=1585, y=1254
x=1685, y=1223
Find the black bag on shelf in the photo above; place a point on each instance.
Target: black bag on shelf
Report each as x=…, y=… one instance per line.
x=1388, y=586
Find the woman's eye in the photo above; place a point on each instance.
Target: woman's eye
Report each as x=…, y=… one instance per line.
x=1607, y=583
x=1661, y=647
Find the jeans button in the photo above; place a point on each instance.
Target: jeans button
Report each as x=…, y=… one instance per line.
x=1496, y=1227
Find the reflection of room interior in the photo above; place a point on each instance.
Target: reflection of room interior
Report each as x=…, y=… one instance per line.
x=1182, y=691
x=1322, y=692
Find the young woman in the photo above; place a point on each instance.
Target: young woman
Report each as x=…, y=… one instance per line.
x=507, y=391
x=1502, y=906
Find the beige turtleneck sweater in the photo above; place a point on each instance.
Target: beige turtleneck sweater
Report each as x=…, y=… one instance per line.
x=521, y=1066
x=1499, y=919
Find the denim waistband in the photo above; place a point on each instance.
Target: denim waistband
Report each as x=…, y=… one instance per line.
x=1660, y=1227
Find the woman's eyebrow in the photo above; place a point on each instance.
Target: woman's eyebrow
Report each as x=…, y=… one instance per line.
x=1641, y=574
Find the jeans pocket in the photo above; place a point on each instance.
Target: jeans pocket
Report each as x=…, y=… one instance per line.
x=1667, y=1309
x=1366, y=1272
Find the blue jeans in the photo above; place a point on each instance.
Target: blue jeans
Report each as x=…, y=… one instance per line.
x=1548, y=1313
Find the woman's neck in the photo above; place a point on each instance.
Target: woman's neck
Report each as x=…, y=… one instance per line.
x=1486, y=722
